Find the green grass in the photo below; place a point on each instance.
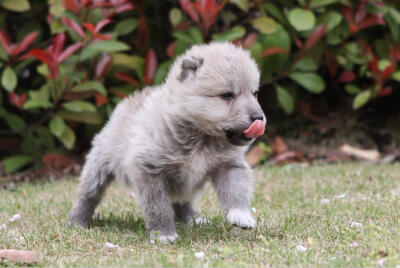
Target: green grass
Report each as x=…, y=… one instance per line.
x=288, y=210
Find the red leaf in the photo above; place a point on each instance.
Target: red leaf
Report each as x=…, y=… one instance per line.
x=385, y=91
x=371, y=21
x=16, y=100
x=360, y=14
x=273, y=51
x=38, y=54
x=100, y=99
x=347, y=77
x=171, y=49
x=101, y=24
x=28, y=40
x=142, y=32
x=127, y=78
x=250, y=39
x=89, y=27
x=187, y=6
x=73, y=25
x=315, y=36
x=119, y=94
x=150, y=66
x=58, y=45
x=208, y=9
x=298, y=43
x=5, y=41
x=123, y=8
x=103, y=36
x=57, y=162
x=374, y=65
x=72, y=5
x=387, y=72
x=103, y=65
x=332, y=68
x=70, y=50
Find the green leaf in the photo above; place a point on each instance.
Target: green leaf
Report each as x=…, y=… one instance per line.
x=162, y=72
x=36, y=103
x=88, y=53
x=14, y=163
x=90, y=85
x=57, y=126
x=382, y=64
x=196, y=35
x=15, y=122
x=275, y=12
x=132, y=62
x=242, y=4
x=285, y=99
x=306, y=64
x=16, y=5
x=361, y=99
x=395, y=14
x=321, y=3
x=302, y=20
x=265, y=25
x=67, y=137
x=79, y=106
x=396, y=76
x=109, y=46
x=9, y=79
x=230, y=35
x=84, y=117
x=175, y=16
x=332, y=19
x=310, y=81
x=352, y=89
x=126, y=26
x=41, y=94
x=182, y=36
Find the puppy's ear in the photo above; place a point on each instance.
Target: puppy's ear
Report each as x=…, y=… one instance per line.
x=189, y=65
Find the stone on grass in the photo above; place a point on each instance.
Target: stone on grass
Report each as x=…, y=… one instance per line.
x=301, y=248
x=110, y=245
x=356, y=225
x=341, y=196
x=3, y=227
x=199, y=255
x=16, y=217
x=380, y=262
x=324, y=201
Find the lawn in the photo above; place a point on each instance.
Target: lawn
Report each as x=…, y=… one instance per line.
x=305, y=217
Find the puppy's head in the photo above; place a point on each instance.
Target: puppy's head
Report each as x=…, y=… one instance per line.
x=216, y=87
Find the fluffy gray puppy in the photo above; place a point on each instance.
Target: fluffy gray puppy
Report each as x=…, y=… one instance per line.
x=166, y=142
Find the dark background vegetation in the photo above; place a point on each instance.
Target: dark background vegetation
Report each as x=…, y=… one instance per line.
x=329, y=68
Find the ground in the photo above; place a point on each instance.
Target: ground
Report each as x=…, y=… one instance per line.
x=294, y=227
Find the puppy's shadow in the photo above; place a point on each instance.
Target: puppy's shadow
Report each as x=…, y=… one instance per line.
x=123, y=222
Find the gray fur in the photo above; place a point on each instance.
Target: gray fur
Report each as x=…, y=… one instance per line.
x=166, y=142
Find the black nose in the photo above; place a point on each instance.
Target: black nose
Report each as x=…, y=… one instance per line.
x=255, y=117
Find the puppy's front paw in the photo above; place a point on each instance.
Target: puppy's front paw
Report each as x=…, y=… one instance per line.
x=241, y=218
x=163, y=238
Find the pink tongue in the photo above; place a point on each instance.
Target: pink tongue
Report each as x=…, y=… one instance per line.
x=256, y=129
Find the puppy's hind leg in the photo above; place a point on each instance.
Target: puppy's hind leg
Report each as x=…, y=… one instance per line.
x=93, y=182
x=233, y=187
x=185, y=213
x=156, y=207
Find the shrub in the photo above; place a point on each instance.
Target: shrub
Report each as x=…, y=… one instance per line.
x=65, y=65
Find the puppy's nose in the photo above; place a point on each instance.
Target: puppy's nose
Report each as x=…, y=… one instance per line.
x=255, y=117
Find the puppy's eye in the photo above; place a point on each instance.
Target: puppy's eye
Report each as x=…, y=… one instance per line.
x=255, y=94
x=227, y=96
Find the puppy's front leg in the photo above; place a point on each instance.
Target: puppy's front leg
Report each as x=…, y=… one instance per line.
x=156, y=206
x=234, y=189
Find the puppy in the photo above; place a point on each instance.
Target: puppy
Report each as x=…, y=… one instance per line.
x=165, y=142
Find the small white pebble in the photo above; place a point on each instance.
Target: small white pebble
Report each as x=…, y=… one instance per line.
x=266, y=250
x=3, y=227
x=199, y=255
x=301, y=248
x=354, y=244
x=356, y=224
x=254, y=209
x=325, y=201
x=110, y=245
x=20, y=239
x=380, y=262
x=16, y=217
x=333, y=258
x=341, y=196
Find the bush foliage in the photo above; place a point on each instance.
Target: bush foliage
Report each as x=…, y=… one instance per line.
x=65, y=64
